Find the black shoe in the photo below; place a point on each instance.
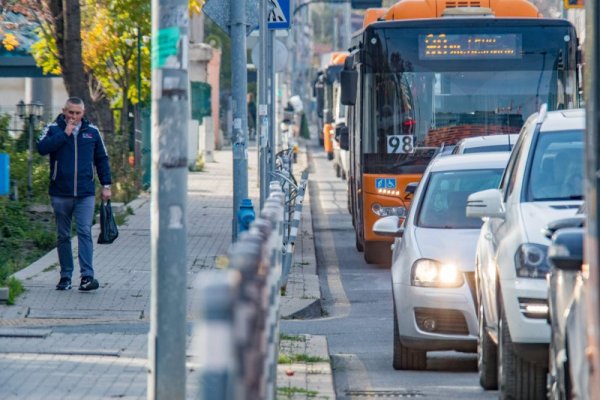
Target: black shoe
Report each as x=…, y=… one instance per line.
x=88, y=283
x=64, y=284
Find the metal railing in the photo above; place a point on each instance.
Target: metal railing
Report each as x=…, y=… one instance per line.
x=236, y=341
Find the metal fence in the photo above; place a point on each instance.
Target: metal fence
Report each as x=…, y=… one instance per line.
x=236, y=341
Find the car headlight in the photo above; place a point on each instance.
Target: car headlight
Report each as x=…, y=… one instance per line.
x=531, y=261
x=431, y=273
x=381, y=211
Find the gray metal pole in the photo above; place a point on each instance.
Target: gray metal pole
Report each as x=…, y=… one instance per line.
x=592, y=147
x=272, y=99
x=239, y=80
x=347, y=26
x=170, y=119
x=262, y=124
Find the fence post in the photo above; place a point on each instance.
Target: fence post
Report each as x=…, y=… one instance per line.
x=214, y=342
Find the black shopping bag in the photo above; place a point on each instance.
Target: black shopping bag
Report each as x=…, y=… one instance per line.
x=108, y=226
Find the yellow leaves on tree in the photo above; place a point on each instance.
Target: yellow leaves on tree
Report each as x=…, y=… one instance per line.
x=10, y=42
x=196, y=6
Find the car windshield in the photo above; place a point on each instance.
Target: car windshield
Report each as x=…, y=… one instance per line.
x=556, y=171
x=444, y=201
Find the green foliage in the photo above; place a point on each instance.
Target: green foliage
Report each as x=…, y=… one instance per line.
x=299, y=358
x=15, y=288
x=198, y=165
x=291, y=391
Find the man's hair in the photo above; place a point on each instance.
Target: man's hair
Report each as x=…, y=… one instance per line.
x=74, y=100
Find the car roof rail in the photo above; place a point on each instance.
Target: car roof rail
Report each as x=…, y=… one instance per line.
x=543, y=113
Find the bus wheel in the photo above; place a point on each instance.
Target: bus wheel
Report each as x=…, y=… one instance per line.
x=359, y=245
x=378, y=253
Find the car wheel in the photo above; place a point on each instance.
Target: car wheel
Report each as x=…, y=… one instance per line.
x=517, y=378
x=487, y=356
x=405, y=358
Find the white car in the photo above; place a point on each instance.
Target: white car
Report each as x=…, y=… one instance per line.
x=542, y=183
x=433, y=258
x=485, y=144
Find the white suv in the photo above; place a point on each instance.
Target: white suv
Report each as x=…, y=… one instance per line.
x=542, y=183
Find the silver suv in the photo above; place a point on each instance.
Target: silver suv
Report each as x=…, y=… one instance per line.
x=542, y=183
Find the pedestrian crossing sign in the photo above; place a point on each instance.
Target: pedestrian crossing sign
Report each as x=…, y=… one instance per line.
x=279, y=14
x=573, y=4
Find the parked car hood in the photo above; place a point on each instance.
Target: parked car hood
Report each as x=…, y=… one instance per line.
x=535, y=216
x=449, y=245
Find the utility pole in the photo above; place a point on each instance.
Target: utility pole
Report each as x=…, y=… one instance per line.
x=592, y=146
x=263, y=121
x=170, y=119
x=240, y=110
x=271, y=101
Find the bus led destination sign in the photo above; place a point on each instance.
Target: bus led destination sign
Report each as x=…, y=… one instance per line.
x=452, y=47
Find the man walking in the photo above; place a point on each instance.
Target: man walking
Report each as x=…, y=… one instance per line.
x=75, y=147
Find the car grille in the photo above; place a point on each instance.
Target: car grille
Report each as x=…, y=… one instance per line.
x=470, y=278
x=450, y=322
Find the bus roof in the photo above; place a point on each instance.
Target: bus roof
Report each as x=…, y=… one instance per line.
x=373, y=14
x=339, y=58
x=419, y=9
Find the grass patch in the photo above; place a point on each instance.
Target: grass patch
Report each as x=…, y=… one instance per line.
x=292, y=338
x=15, y=288
x=293, y=390
x=296, y=358
x=25, y=236
x=121, y=218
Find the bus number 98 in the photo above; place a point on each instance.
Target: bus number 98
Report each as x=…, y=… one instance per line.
x=400, y=144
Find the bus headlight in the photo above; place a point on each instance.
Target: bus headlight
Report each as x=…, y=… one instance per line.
x=431, y=273
x=381, y=211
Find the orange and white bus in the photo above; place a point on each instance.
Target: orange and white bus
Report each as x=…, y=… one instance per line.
x=433, y=72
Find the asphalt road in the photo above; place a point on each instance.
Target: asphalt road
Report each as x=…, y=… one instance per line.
x=357, y=313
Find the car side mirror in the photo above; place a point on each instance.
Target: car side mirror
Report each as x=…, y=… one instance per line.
x=411, y=188
x=389, y=226
x=487, y=203
x=566, y=251
x=577, y=221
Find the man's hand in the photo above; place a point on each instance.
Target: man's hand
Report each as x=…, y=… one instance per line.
x=71, y=124
x=106, y=193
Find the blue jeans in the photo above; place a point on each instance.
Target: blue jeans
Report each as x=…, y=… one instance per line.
x=82, y=208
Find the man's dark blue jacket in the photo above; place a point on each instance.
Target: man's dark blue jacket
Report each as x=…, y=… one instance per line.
x=72, y=158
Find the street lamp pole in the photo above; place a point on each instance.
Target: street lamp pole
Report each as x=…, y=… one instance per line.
x=30, y=158
x=137, y=118
x=29, y=113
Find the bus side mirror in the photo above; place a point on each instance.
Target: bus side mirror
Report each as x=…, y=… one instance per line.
x=348, y=80
x=327, y=116
x=320, y=95
x=344, y=138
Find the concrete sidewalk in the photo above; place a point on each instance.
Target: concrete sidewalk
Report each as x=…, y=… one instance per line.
x=74, y=345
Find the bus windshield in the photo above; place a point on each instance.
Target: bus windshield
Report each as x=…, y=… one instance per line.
x=430, y=87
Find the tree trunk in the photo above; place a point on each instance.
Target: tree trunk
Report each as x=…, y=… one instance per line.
x=67, y=26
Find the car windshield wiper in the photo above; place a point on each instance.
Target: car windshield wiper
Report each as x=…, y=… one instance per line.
x=572, y=197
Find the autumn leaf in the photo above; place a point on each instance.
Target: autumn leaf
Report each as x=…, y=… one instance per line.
x=195, y=6
x=10, y=42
